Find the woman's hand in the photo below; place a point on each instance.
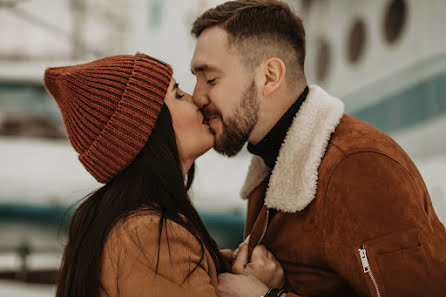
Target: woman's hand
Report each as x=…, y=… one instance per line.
x=228, y=258
x=263, y=266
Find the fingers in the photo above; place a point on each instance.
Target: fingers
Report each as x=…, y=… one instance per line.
x=237, y=250
x=263, y=265
x=259, y=254
x=242, y=259
x=222, y=277
x=246, y=241
x=270, y=256
x=227, y=254
x=280, y=277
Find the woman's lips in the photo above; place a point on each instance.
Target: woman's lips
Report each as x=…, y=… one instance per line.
x=205, y=122
x=208, y=121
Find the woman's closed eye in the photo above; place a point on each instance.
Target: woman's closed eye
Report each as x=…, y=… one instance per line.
x=178, y=93
x=211, y=81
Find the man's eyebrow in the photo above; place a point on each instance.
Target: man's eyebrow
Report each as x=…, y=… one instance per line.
x=204, y=68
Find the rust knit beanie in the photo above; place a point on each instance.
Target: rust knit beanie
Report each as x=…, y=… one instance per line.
x=109, y=107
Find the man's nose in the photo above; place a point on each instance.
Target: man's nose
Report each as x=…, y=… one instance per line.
x=200, y=98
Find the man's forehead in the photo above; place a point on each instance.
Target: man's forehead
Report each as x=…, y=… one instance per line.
x=207, y=60
x=213, y=36
x=212, y=41
x=212, y=51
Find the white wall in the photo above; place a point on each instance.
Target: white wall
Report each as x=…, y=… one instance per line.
x=422, y=38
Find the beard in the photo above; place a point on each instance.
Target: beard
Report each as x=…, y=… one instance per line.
x=238, y=127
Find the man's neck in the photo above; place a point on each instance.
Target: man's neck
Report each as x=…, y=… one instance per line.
x=269, y=147
x=272, y=112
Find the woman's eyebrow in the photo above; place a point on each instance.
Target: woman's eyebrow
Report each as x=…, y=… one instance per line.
x=176, y=85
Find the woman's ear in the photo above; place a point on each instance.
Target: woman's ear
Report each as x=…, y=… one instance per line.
x=274, y=71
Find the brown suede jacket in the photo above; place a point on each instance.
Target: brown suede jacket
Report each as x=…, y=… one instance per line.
x=354, y=215
x=130, y=255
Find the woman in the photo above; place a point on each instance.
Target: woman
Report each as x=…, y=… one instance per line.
x=139, y=234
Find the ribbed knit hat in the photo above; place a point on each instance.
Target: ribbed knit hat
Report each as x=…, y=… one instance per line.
x=109, y=107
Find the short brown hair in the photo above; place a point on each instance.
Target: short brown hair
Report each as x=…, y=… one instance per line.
x=258, y=29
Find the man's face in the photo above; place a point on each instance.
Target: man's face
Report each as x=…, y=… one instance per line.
x=225, y=91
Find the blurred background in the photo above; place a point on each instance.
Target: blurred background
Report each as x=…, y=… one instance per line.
x=385, y=59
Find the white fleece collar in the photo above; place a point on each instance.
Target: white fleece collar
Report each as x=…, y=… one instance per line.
x=293, y=182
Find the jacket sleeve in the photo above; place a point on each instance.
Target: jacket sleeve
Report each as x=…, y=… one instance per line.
x=138, y=272
x=381, y=232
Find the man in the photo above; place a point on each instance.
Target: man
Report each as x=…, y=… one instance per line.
x=338, y=202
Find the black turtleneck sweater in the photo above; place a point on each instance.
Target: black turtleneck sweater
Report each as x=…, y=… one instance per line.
x=268, y=148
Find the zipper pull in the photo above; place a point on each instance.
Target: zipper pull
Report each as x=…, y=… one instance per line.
x=364, y=260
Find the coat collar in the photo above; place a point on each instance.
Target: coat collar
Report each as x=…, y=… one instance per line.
x=293, y=182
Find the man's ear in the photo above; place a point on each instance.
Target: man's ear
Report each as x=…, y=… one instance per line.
x=274, y=71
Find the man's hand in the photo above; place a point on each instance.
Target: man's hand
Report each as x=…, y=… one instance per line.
x=232, y=285
x=263, y=266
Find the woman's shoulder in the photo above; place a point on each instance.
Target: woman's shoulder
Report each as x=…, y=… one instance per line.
x=146, y=218
x=141, y=233
x=171, y=252
x=145, y=223
x=144, y=226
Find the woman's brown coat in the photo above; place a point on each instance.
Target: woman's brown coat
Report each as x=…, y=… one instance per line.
x=130, y=261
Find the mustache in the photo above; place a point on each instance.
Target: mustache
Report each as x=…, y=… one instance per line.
x=209, y=113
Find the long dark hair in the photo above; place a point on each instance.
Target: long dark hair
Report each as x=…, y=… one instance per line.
x=154, y=180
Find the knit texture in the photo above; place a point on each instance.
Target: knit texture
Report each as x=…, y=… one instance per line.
x=109, y=108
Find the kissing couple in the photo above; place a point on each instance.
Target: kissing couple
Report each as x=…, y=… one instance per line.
x=335, y=206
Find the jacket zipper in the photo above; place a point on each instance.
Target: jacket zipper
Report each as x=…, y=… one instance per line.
x=367, y=269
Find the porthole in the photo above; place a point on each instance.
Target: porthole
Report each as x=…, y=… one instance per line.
x=323, y=62
x=356, y=42
x=395, y=20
